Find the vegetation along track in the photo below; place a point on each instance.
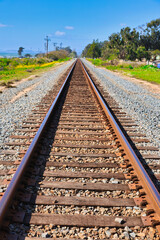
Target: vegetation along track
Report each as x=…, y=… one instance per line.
x=80, y=178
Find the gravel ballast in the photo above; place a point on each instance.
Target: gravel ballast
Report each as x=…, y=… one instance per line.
x=140, y=104
x=12, y=114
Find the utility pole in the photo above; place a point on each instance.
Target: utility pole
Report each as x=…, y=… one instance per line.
x=54, y=44
x=46, y=44
x=61, y=45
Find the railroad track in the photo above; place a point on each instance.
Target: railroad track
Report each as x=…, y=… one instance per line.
x=80, y=178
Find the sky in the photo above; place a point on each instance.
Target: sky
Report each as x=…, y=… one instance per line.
x=73, y=23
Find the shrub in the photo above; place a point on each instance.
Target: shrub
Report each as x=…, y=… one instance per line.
x=130, y=67
x=4, y=62
x=28, y=61
x=43, y=60
x=14, y=63
x=97, y=62
x=56, y=55
x=121, y=66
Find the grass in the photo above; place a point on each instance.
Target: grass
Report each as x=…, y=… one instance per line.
x=145, y=72
x=15, y=69
x=97, y=62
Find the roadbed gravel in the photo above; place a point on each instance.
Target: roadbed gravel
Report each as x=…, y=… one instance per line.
x=17, y=103
x=140, y=103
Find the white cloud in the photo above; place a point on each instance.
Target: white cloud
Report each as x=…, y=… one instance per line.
x=69, y=27
x=3, y=25
x=58, y=33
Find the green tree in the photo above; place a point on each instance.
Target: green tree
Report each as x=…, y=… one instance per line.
x=109, y=53
x=27, y=55
x=73, y=54
x=20, y=50
x=128, y=44
x=150, y=36
x=131, y=53
x=141, y=53
x=124, y=43
x=84, y=52
x=94, y=51
x=68, y=49
x=154, y=29
x=115, y=41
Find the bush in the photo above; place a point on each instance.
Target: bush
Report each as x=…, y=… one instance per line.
x=56, y=55
x=43, y=60
x=14, y=63
x=28, y=61
x=121, y=66
x=148, y=67
x=141, y=53
x=97, y=62
x=130, y=67
x=4, y=62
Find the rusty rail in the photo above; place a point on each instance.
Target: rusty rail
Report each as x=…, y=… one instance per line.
x=147, y=183
x=10, y=191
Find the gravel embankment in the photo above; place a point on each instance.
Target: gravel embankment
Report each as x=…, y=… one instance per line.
x=140, y=104
x=13, y=113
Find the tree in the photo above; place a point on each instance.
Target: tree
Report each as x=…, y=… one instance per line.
x=73, y=54
x=150, y=36
x=141, y=53
x=84, y=52
x=28, y=55
x=40, y=55
x=128, y=44
x=131, y=53
x=94, y=51
x=68, y=49
x=20, y=50
x=123, y=44
x=154, y=30
x=109, y=53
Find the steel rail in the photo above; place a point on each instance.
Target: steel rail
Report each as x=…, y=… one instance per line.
x=12, y=187
x=141, y=172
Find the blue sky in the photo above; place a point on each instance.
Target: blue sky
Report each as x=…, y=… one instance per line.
x=74, y=23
